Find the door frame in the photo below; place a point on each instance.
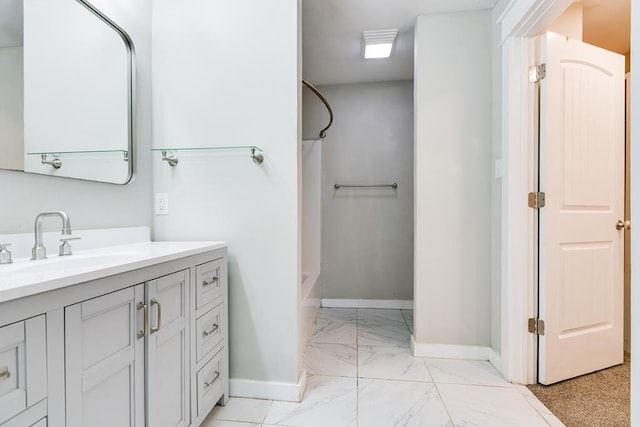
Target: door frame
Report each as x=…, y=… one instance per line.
x=520, y=22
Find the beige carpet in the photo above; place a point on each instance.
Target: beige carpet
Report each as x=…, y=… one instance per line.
x=599, y=399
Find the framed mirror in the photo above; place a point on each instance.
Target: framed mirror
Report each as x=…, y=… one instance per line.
x=66, y=91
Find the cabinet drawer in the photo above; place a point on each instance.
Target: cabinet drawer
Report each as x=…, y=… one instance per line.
x=208, y=283
x=209, y=382
x=23, y=369
x=209, y=329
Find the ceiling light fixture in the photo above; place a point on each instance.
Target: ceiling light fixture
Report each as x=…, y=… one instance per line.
x=378, y=43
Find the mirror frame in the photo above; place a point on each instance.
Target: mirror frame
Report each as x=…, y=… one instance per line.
x=131, y=104
x=130, y=155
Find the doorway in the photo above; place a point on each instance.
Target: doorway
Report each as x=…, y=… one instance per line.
x=519, y=27
x=581, y=168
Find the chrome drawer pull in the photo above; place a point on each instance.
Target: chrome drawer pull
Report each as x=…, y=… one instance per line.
x=215, y=378
x=158, y=324
x=213, y=280
x=213, y=330
x=145, y=314
x=4, y=373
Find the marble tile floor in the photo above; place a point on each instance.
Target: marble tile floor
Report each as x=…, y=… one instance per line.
x=361, y=373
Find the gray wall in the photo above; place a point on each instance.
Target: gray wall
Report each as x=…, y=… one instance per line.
x=208, y=92
x=453, y=179
x=367, y=234
x=90, y=204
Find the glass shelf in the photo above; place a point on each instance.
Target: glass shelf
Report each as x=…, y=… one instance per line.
x=65, y=153
x=168, y=154
x=54, y=158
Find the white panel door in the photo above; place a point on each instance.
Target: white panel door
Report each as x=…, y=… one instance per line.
x=167, y=363
x=105, y=360
x=582, y=174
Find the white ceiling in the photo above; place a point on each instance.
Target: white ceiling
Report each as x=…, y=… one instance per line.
x=332, y=34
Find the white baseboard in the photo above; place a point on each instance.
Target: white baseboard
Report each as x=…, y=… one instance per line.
x=368, y=303
x=289, y=392
x=450, y=351
x=495, y=359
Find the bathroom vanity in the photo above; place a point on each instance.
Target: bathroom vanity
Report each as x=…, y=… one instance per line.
x=128, y=335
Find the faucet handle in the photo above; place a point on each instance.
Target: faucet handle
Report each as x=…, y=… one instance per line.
x=65, y=247
x=5, y=254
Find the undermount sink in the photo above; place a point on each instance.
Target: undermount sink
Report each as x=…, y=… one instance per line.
x=76, y=262
x=26, y=277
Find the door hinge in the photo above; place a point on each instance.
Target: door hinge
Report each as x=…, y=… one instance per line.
x=536, y=200
x=536, y=326
x=537, y=73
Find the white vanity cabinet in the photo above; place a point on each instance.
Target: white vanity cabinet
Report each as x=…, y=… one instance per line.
x=168, y=351
x=104, y=361
x=210, y=355
x=105, y=340
x=23, y=370
x=137, y=348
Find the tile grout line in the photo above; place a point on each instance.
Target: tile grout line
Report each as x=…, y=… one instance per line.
x=269, y=408
x=435, y=385
x=543, y=416
x=406, y=322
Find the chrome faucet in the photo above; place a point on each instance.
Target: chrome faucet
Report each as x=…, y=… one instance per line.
x=39, y=251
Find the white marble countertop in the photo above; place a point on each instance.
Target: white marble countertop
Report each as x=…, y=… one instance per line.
x=25, y=277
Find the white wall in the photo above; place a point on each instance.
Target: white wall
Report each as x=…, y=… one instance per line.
x=89, y=204
x=11, y=108
x=496, y=183
x=453, y=173
x=311, y=195
x=311, y=206
x=226, y=74
x=367, y=234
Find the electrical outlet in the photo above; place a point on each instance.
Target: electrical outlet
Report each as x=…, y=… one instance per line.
x=162, y=204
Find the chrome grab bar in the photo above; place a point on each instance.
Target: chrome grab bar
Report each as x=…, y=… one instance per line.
x=317, y=93
x=338, y=186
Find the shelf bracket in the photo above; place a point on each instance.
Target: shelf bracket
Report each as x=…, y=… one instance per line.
x=56, y=163
x=257, y=158
x=171, y=159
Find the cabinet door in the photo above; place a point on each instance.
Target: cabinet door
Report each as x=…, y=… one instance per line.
x=167, y=351
x=23, y=373
x=13, y=394
x=104, y=360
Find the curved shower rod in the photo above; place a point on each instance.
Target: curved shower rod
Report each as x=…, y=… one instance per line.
x=317, y=93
